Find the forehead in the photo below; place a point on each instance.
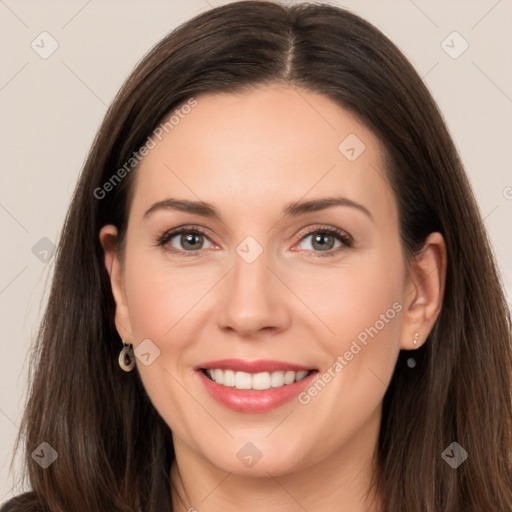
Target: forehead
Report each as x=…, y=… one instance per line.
x=261, y=147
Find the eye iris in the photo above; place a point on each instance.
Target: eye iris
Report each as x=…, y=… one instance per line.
x=190, y=238
x=320, y=238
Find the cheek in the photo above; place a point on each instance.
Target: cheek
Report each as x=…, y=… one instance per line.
x=164, y=302
x=361, y=305
x=362, y=308
x=358, y=300
x=162, y=298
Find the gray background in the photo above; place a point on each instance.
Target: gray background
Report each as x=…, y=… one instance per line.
x=51, y=108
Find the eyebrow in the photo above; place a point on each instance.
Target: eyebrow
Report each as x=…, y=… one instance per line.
x=293, y=209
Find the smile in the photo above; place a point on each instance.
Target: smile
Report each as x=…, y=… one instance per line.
x=258, y=381
x=254, y=386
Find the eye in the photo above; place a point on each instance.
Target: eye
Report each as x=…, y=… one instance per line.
x=189, y=241
x=323, y=241
x=184, y=240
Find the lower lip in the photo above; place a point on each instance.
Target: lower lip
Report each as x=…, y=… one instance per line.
x=252, y=400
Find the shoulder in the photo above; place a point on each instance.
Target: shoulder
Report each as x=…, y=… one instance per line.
x=26, y=502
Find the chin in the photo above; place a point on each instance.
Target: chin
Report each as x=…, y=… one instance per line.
x=258, y=458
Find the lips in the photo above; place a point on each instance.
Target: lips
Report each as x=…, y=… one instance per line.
x=261, y=365
x=254, y=386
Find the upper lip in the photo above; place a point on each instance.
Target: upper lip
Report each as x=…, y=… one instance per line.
x=258, y=366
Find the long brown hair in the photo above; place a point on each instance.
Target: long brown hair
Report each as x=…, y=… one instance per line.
x=114, y=450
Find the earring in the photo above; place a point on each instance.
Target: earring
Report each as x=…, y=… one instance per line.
x=416, y=338
x=127, y=357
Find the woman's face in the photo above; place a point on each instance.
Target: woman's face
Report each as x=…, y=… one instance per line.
x=269, y=287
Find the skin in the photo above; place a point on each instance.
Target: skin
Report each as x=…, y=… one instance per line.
x=249, y=155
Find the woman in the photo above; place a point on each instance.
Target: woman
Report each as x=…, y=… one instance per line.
x=273, y=289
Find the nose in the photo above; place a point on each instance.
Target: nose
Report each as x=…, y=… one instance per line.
x=253, y=300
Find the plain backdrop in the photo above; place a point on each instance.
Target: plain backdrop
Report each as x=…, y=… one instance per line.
x=52, y=105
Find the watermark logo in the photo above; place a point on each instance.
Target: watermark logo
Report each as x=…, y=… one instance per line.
x=147, y=352
x=44, y=45
x=45, y=455
x=351, y=147
x=43, y=249
x=249, y=454
x=249, y=249
x=454, y=45
x=454, y=455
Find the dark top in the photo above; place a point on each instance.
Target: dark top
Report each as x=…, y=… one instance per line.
x=20, y=504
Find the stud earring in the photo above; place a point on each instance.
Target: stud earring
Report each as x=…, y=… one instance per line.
x=416, y=338
x=127, y=357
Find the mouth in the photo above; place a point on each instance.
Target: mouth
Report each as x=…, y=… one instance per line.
x=256, y=381
x=254, y=386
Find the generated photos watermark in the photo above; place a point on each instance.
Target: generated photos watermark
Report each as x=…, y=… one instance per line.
x=343, y=360
x=137, y=156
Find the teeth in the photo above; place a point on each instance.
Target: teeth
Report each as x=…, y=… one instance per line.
x=289, y=377
x=219, y=376
x=261, y=380
x=229, y=378
x=258, y=381
x=300, y=375
x=242, y=380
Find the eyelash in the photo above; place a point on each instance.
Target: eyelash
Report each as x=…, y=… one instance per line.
x=342, y=236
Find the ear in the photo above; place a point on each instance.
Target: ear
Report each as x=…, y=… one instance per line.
x=424, y=292
x=108, y=238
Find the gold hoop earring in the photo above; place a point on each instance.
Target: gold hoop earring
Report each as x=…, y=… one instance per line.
x=127, y=357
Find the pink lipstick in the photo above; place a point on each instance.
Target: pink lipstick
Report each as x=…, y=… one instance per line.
x=254, y=386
